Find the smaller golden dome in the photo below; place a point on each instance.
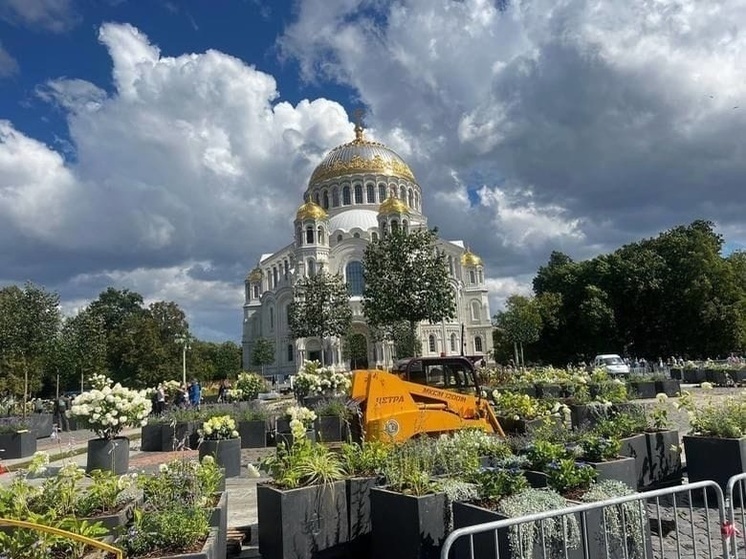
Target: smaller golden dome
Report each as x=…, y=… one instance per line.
x=255, y=275
x=470, y=259
x=310, y=210
x=392, y=205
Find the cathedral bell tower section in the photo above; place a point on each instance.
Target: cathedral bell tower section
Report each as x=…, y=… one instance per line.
x=311, y=239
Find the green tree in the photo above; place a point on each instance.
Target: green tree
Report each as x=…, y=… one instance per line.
x=30, y=319
x=355, y=349
x=520, y=322
x=82, y=348
x=263, y=353
x=406, y=280
x=320, y=308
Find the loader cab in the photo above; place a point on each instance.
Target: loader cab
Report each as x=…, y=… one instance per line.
x=449, y=373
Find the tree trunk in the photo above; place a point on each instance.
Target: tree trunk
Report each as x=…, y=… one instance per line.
x=412, y=328
x=515, y=353
x=523, y=361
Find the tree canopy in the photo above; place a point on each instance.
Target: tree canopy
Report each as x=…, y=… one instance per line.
x=406, y=280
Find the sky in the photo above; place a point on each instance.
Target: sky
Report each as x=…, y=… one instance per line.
x=163, y=146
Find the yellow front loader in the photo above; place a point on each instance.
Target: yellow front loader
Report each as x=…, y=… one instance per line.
x=422, y=396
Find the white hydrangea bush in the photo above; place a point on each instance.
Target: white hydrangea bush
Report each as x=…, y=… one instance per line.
x=315, y=380
x=109, y=410
x=218, y=428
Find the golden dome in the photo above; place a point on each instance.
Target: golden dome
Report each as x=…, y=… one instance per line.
x=392, y=205
x=255, y=275
x=470, y=259
x=361, y=156
x=311, y=210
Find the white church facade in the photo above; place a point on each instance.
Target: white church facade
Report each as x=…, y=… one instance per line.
x=360, y=190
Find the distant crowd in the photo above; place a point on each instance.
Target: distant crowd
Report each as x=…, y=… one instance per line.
x=184, y=396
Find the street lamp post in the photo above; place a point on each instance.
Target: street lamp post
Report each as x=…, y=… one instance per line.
x=184, y=341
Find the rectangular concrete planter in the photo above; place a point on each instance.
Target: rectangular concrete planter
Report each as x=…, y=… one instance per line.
x=219, y=521
x=151, y=437
x=641, y=389
x=549, y=391
x=677, y=373
x=227, y=454
x=714, y=458
x=670, y=387
x=301, y=523
x=621, y=469
x=330, y=428
x=358, y=505
x=604, y=544
x=467, y=514
x=253, y=433
x=42, y=423
x=208, y=550
x=664, y=457
x=694, y=376
x=636, y=447
x=525, y=426
x=178, y=436
x=536, y=479
x=585, y=415
x=18, y=445
x=114, y=521
x=406, y=526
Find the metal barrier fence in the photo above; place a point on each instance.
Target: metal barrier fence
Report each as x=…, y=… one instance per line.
x=735, y=495
x=694, y=513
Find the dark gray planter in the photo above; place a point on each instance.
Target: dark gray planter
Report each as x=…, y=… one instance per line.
x=301, y=523
x=330, y=428
x=406, y=526
x=528, y=389
x=714, y=458
x=718, y=377
x=739, y=375
x=282, y=425
x=621, y=469
x=642, y=389
x=636, y=447
x=227, y=454
x=151, y=438
x=114, y=521
x=602, y=543
x=17, y=445
x=586, y=415
x=535, y=479
x=665, y=461
x=42, y=423
x=694, y=376
x=287, y=438
x=677, y=373
x=670, y=387
x=113, y=455
x=253, y=433
x=466, y=514
x=525, y=426
x=219, y=521
x=549, y=391
x=208, y=551
x=178, y=436
x=358, y=509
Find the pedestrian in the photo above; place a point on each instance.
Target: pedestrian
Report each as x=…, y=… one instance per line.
x=160, y=399
x=223, y=391
x=59, y=413
x=195, y=393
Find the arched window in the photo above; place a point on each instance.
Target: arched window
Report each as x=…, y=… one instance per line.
x=476, y=310
x=371, y=194
x=339, y=238
x=404, y=224
x=394, y=226
x=311, y=267
x=374, y=236
x=356, y=235
x=325, y=200
x=411, y=199
x=453, y=343
x=321, y=235
x=402, y=193
x=335, y=197
x=354, y=275
x=274, y=276
x=358, y=194
x=478, y=345
x=316, y=198
x=346, y=201
x=381, y=193
x=271, y=318
x=472, y=277
x=417, y=201
x=287, y=269
x=291, y=353
x=309, y=235
x=480, y=276
x=431, y=343
x=256, y=292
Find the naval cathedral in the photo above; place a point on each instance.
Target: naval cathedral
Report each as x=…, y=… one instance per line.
x=358, y=191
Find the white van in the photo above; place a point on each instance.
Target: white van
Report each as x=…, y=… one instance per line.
x=613, y=364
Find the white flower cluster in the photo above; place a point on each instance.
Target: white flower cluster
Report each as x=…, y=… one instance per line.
x=313, y=379
x=109, y=410
x=220, y=427
x=99, y=380
x=299, y=413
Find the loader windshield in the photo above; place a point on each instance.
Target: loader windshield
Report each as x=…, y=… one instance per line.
x=448, y=374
